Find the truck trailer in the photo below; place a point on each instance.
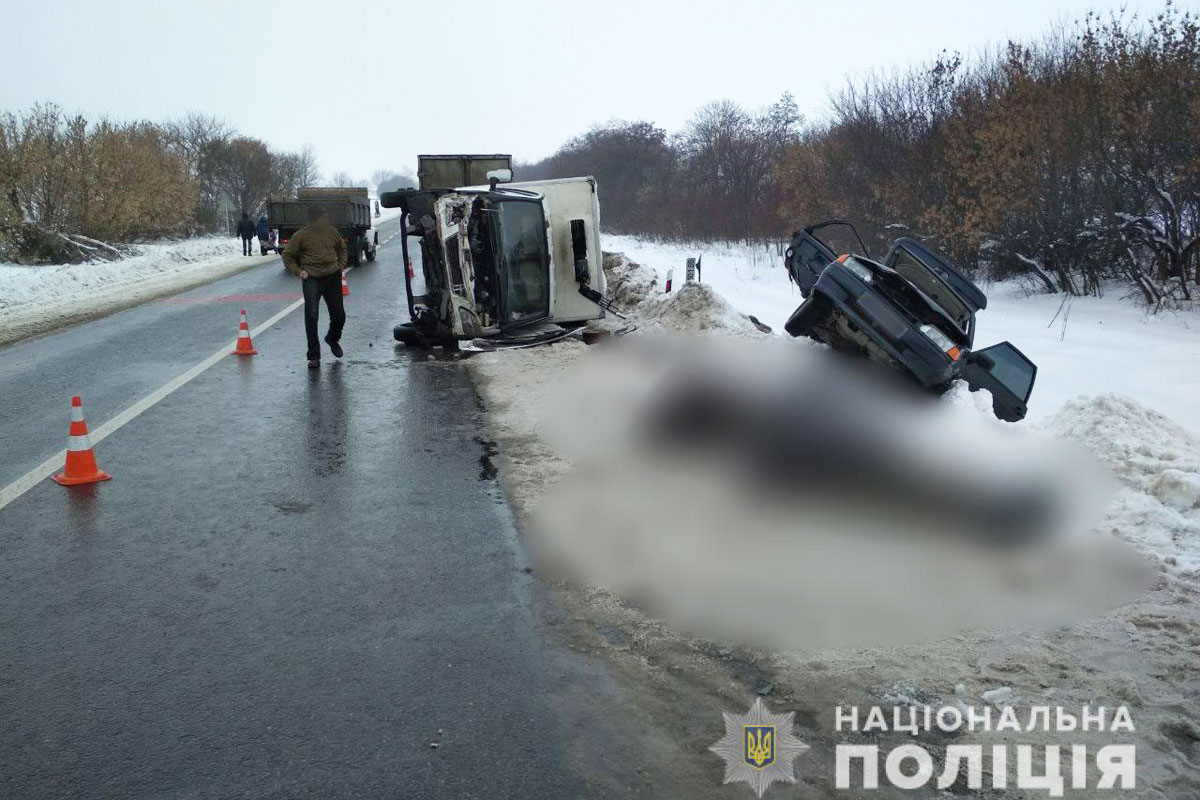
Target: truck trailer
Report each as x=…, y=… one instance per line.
x=349, y=210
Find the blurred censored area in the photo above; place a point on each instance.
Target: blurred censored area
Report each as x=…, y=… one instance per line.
x=780, y=496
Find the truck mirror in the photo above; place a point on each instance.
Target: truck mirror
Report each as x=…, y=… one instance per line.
x=499, y=176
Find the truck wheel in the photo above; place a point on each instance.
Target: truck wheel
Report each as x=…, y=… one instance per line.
x=406, y=333
x=371, y=254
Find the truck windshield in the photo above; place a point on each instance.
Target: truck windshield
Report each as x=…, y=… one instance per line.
x=524, y=260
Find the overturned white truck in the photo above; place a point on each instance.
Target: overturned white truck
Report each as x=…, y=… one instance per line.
x=497, y=259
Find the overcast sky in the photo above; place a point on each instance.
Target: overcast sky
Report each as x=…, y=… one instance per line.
x=371, y=84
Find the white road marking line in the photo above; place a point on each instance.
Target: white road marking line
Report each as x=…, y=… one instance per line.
x=48, y=467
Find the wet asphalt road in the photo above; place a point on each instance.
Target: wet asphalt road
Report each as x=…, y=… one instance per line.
x=295, y=582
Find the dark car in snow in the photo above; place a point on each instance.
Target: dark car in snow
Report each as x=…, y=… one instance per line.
x=912, y=310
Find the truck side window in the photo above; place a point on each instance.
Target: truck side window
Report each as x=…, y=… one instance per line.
x=454, y=262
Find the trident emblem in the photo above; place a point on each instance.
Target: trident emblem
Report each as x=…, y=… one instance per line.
x=760, y=745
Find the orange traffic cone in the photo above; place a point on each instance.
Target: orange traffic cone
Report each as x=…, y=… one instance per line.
x=345, y=286
x=244, y=346
x=81, y=461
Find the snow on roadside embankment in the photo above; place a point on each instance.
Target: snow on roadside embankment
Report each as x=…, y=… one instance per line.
x=36, y=299
x=1111, y=376
x=1100, y=374
x=1083, y=346
x=1157, y=465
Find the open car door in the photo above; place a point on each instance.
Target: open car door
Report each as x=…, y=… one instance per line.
x=1005, y=372
x=806, y=258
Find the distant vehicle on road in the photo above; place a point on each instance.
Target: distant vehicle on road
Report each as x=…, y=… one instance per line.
x=913, y=310
x=349, y=211
x=498, y=257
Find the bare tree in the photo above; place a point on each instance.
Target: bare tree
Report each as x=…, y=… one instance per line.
x=343, y=179
x=387, y=180
x=307, y=172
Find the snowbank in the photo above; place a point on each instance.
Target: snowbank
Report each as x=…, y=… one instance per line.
x=751, y=279
x=1158, y=465
x=690, y=309
x=36, y=299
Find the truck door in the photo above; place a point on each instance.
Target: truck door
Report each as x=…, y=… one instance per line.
x=1005, y=372
x=523, y=262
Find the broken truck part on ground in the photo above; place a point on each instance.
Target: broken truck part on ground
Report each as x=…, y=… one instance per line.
x=498, y=258
x=914, y=311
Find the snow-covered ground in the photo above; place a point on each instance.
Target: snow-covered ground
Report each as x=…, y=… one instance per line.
x=37, y=299
x=1111, y=378
x=1087, y=346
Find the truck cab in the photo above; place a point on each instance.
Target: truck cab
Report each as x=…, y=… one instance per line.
x=500, y=257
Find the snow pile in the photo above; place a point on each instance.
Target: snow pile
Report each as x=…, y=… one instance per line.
x=691, y=309
x=694, y=308
x=628, y=284
x=751, y=278
x=34, y=299
x=1158, y=465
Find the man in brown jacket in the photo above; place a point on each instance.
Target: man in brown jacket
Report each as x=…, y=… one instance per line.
x=317, y=255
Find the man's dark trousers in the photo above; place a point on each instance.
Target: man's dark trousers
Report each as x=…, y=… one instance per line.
x=246, y=242
x=329, y=287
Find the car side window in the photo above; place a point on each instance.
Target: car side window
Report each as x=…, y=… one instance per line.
x=1011, y=369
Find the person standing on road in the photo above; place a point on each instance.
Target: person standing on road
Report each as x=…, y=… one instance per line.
x=264, y=232
x=317, y=255
x=245, y=229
